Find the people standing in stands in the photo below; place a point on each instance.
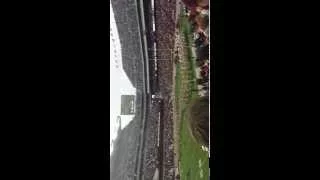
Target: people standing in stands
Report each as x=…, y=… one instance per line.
x=203, y=52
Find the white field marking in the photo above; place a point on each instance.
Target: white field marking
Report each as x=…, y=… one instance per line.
x=200, y=163
x=201, y=174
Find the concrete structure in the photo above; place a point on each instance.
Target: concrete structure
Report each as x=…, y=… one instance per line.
x=127, y=104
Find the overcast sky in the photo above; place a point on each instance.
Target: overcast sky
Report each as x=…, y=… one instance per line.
x=119, y=82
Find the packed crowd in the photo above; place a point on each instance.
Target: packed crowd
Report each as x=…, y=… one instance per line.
x=164, y=37
x=164, y=22
x=127, y=26
x=168, y=139
x=165, y=32
x=151, y=160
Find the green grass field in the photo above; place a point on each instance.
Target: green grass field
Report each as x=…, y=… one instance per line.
x=190, y=150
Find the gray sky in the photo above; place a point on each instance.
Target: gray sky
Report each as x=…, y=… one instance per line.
x=119, y=82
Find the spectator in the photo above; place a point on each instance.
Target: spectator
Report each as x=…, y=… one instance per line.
x=202, y=40
x=198, y=42
x=203, y=52
x=202, y=80
x=202, y=21
x=204, y=74
x=200, y=63
x=196, y=5
x=205, y=67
